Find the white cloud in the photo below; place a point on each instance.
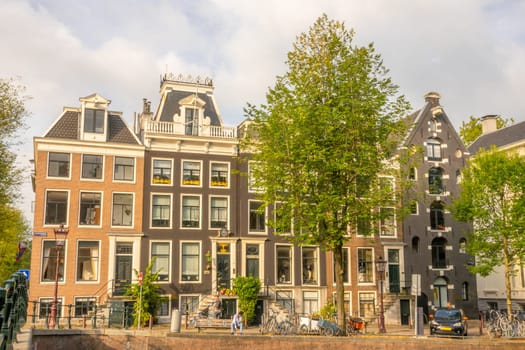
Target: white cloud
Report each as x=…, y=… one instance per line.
x=470, y=51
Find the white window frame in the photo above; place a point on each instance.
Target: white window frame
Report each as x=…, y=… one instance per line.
x=161, y=183
x=170, y=195
x=68, y=199
x=82, y=167
x=68, y=177
x=84, y=215
x=201, y=178
x=278, y=281
x=134, y=169
x=184, y=195
x=265, y=218
x=170, y=251
x=228, y=180
x=199, y=268
x=77, y=278
x=227, y=224
x=132, y=208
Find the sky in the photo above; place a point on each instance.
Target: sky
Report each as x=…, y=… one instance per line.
x=471, y=51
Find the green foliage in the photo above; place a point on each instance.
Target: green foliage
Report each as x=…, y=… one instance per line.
x=471, y=130
x=328, y=311
x=329, y=127
x=247, y=290
x=493, y=200
x=148, y=303
x=13, y=229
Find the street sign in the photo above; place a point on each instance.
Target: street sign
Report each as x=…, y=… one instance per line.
x=140, y=278
x=416, y=284
x=40, y=234
x=25, y=272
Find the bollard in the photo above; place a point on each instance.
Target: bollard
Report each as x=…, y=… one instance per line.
x=175, y=321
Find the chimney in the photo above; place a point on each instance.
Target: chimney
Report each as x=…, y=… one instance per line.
x=488, y=124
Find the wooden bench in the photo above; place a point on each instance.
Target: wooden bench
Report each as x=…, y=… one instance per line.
x=217, y=323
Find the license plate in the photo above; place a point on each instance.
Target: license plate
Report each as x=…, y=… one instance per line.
x=446, y=328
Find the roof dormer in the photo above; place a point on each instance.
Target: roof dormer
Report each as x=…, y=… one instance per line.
x=94, y=118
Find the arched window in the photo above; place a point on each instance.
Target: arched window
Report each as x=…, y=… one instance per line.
x=439, y=260
x=435, y=180
x=437, y=215
x=440, y=292
x=415, y=244
x=464, y=291
x=433, y=149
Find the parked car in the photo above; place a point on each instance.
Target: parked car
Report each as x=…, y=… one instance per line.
x=448, y=321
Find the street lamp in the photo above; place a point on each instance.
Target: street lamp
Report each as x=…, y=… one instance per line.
x=380, y=268
x=60, y=239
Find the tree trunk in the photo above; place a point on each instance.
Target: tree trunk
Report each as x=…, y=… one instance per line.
x=339, y=287
x=508, y=277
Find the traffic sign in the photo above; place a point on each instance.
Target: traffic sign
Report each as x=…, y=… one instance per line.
x=25, y=272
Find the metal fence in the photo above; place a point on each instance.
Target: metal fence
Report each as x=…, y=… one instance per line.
x=13, y=308
x=117, y=314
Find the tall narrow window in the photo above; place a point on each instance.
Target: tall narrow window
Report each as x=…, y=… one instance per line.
x=284, y=264
x=192, y=121
x=124, y=169
x=94, y=120
x=415, y=245
x=433, y=149
x=191, y=173
x=58, y=164
x=92, y=166
x=122, y=214
x=387, y=222
x=367, y=305
x=162, y=171
x=257, y=217
x=440, y=292
x=56, y=207
x=160, y=210
x=310, y=268
x=464, y=291
x=191, y=211
x=218, y=212
x=438, y=253
x=435, y=180
x=87, y=260
x=90, y=210
x=437, y=217
x=365, y=265
x=463, y=245
x=160, y=254
x=310, y=302
x=190, y=262
x=49, y=262
x=252, y=260
x=219, y=174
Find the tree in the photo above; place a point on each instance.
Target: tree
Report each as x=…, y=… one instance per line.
x=247, y=290
x=13, y=227
x=328, y=129
x=493, y=199
x=148, y=299
x=471, y=130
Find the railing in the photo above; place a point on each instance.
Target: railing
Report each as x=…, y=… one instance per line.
x=119, y=314
x=13, y=312
x=171, y=128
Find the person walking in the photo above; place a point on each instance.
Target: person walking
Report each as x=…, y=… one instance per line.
x=237, y=323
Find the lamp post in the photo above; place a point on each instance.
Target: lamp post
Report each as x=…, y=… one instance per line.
x=60, y=236
x=380, y=267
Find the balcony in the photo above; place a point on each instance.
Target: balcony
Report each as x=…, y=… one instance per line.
x=153, y=128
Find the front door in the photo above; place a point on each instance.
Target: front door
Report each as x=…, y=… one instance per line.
x=393, y=271
x=223, y=265
x=123, y=268
x=405, y=312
